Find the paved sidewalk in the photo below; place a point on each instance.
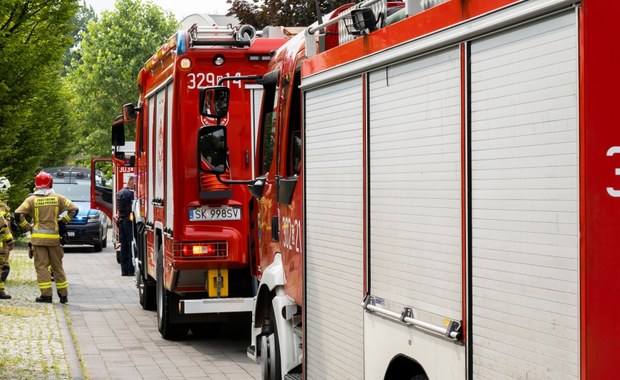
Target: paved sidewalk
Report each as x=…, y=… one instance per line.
x=116, y=339
x=31, y=345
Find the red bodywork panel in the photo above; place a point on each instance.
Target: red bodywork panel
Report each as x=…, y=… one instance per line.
x=600, y=160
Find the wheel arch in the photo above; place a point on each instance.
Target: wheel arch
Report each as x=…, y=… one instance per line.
x=272, y=277
x=405, y=368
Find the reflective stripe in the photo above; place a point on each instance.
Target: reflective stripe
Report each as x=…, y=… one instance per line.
x=36, y=218
x=45, y=285
x=1, y=285
x=62, y=285
x=67, y=217
x=23, y=223
x=44, y=231
x=45, y=236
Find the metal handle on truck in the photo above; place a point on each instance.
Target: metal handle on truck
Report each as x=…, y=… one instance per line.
x=452, y=332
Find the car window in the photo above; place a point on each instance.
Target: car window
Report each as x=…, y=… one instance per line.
x=77, y=191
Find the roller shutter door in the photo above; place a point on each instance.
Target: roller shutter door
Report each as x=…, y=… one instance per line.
x=334, y=231
x=525, y=202
x=415, y=186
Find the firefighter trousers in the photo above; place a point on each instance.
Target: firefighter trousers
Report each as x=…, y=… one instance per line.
x=5, y=268
x=44, y=256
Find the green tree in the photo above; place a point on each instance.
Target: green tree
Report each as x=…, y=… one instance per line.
x=34, y=124
x=261, y=13
x=80, y=21
x=113, y=51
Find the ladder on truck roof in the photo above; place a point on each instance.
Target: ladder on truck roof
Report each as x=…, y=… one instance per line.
x=221, y=36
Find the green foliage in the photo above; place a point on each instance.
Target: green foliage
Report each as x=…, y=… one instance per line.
x=80, y=21
x=34, y=124
x=113, y=50
x=261, y=13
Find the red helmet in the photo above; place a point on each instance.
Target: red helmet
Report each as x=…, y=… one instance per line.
x=43, y=180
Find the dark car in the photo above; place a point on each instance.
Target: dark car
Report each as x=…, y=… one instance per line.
x=89, y=226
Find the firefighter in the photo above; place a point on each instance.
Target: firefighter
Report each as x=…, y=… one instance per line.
x=124, y=199
x=6, y=237
x=45, y=208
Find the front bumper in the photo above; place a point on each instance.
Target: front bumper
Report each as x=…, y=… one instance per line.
x=89, y=233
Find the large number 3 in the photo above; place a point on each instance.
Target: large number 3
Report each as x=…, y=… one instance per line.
x=614, y=150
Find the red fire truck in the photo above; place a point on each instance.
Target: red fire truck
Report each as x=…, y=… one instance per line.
x=191, y=233
x=438, y=190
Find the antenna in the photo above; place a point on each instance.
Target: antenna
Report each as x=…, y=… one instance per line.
x=319, y=17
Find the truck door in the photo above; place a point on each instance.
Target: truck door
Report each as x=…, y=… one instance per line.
x=101, y=187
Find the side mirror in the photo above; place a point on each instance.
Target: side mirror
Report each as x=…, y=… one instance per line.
x=129, y=112
x=257, y=186
x=118, y=132
x=214, y=101
x=212, y=149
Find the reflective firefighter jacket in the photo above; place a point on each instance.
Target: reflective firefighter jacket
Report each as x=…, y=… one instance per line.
x=5, y=226
x=44, y=209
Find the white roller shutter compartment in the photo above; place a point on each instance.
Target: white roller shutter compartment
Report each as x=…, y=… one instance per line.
x=415, y=187
x=525, y=202
x=334, y=231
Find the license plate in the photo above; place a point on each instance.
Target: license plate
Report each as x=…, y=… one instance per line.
x=206, y=213
x=71, y=233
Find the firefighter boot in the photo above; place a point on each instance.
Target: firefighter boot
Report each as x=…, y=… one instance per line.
x=44, y=299
x=63, y=299
x=4, y=296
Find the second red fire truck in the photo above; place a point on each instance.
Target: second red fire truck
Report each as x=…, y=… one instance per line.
x=192, y=248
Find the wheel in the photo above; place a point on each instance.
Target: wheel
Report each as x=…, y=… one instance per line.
x=97, y=247
x=270, y=349
x=104, y=242
x=146, y=292
x=166, y=303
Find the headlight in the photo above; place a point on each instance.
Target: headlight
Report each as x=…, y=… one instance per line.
x=94, y=217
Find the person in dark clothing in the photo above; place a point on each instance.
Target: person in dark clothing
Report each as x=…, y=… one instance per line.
x=124, y=200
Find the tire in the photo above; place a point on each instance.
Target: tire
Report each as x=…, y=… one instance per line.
x=104, y=242
x=270, y=350
x=97, y=247
x=166, y=303
x=146, y=292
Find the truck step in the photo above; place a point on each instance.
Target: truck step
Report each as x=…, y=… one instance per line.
x=293, y=376
x=251, y=353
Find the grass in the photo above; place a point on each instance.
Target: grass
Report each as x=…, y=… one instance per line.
x=75, y=342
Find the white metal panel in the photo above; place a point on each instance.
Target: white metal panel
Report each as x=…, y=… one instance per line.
x=160, y=100
x=150, y=154
x=525, y=221
x=256, y=96
x=415, y=187
x=169, y=202
x=334, y=231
